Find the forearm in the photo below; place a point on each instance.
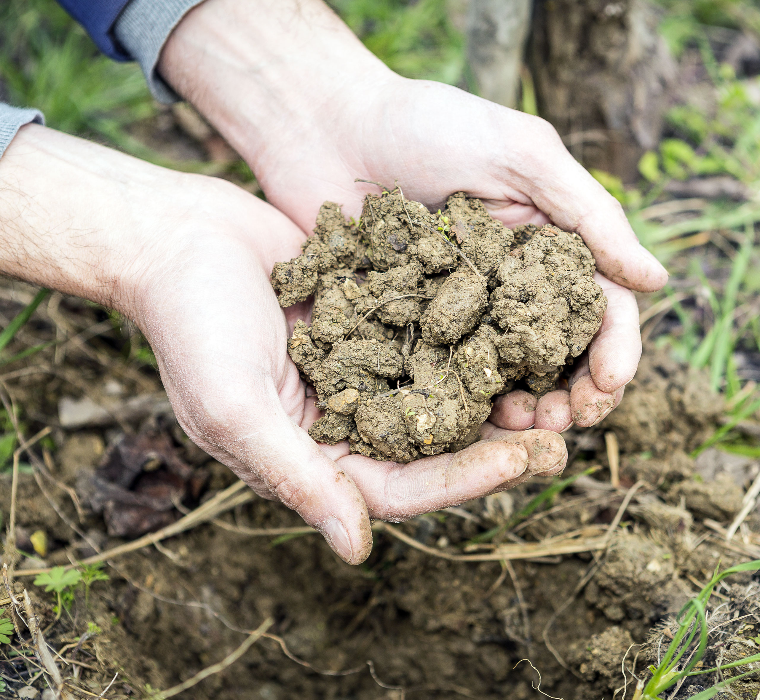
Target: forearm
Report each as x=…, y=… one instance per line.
x=264, y=70
x=72, y=216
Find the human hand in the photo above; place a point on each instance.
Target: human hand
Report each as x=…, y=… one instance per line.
x=311, y=111
x=188, y=258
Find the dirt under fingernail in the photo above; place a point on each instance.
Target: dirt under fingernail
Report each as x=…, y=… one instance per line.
x=425, y=318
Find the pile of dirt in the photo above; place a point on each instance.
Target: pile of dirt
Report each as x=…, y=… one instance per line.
x=453, y=307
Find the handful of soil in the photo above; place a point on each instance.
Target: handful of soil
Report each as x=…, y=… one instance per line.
x=421, y=319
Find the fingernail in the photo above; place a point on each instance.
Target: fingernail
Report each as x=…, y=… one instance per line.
x=603, y=416
x=567, y=427
x=337, y=537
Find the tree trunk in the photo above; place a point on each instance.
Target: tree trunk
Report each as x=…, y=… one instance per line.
x=601, y=75
x=497, y=31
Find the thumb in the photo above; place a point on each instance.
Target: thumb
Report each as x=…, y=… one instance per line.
x=278, y=459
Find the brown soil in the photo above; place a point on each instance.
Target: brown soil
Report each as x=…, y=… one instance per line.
x=434, y=627
x=420, y=320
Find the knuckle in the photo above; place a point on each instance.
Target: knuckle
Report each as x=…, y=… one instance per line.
x=291, y=493
x=391, y=506
x=544, y=132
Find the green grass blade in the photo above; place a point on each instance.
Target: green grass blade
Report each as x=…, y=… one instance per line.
x=733, y=664
x=704, y=351
x=725, y=339
x=717, y=217
x=546, y=495
x=281, y=539
x=718, y=687
x=13, y=327
x=26, y=353
x=7, y=446
x=701, y=621
x=721, y=432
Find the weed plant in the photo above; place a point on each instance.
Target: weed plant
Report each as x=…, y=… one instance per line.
x=689, y=644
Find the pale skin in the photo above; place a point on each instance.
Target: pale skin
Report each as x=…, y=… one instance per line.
x=188, y=258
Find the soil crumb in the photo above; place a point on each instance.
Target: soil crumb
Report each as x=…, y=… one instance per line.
x=420, y=320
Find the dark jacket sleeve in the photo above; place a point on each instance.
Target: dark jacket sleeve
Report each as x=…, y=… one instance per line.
x=98, y=18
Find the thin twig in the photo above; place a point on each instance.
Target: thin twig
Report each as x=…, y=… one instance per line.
x=459, y=252
x=527, y=550
x=372, y=182
x=750, y=501
x=535, y=687
x=613, y=456
x=497, y=583
x=381, y=304
x=372, y=673
x=223, y=501
x=621, y=511
x=48, y=474
x=264, y=531
x=456, y=248
x=10, y=544
x=217, y=668
x=521, y=601
x=42, y=652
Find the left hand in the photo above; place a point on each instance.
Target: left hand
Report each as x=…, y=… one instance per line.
x=311, y=111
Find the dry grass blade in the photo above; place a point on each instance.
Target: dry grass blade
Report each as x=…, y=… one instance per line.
x=10, y=544
x=225, y=663
x=750, y=501
x=221, y=503
x=264, y=531
x=38, y=644
x=613, y=456
x=509, y=552
x=521, y=601
x=53, y=674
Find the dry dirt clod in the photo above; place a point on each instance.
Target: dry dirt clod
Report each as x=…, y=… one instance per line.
x=421, y=319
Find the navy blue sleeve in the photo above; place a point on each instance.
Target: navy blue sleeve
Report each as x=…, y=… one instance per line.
x=98, y=18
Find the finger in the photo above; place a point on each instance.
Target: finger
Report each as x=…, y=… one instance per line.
x=514, y=411
x=547, y=451
x=553, y=411
x=310, y=412
x=588, y=404
x=514, y=213
x=575, y=201
x=615, y=351
x=398, y=492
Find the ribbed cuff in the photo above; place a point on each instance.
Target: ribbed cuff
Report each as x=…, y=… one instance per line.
x=143, y=28
x=12, y=119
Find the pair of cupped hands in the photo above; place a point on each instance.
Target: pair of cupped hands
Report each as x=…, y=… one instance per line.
x=188, y=258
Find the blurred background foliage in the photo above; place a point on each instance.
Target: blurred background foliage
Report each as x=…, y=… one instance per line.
x=709, y=312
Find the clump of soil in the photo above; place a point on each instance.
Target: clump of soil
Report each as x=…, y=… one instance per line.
x=421, y=319
x=668, y=408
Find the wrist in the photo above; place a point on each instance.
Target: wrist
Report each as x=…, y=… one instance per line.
x=81, y=218
x=268, y=73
